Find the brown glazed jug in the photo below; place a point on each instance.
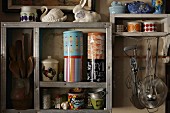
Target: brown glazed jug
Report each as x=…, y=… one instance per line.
x=21, y=95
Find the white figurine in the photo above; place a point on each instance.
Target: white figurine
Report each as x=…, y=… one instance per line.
x=82, y=15
x=65, y=105
x=54, y=15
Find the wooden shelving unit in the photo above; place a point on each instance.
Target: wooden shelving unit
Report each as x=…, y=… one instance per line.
x=9, y=33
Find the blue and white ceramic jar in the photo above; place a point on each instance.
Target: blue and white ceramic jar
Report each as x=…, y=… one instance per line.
x=28, y=14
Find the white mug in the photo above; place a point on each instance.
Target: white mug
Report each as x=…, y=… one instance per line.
x=28, y=14
x=149, y=26
x=134, y=27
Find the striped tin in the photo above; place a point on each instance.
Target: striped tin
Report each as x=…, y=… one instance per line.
x=72, y=69
x=73, y=52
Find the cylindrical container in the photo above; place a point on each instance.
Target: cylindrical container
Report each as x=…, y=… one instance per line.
x=134, y=27
x=76, y=100
x=49, y=69
x=96, y=57
x=73, y=43
x=28, y=14
x=57, y=102
x=96, y=70
x=73, y=69
x=149, y=26
x=96, y=48
x=73, y=52
x=46, y=99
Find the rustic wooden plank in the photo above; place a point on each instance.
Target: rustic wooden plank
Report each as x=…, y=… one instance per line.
x=20, y=111
x=141, y=34
x=74, y=84
x=60, y=25
x=75, y=111
x=139, y=15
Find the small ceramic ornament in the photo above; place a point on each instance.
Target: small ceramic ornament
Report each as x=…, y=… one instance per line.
x=54, y=15
x=65, y=105
x=158, y=6
x=82, y=15
x=117, y=8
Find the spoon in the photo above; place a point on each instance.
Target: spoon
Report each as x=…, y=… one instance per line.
x=30, y=66
x=19, y=58
x=14, y=68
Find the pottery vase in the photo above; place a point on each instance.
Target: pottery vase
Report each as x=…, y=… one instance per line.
x=158, y=5
x=21, y=95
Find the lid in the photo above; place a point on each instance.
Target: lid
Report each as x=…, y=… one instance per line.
x=72, y=31
x=116, y=3
x=96, y=33
x=50, y=60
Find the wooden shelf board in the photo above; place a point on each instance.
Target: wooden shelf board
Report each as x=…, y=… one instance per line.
x=141, y=34
x=75, y=111
x=139, y=15
x=74, y=84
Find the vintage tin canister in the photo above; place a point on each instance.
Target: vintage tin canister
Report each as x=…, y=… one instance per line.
x=96, y=70
x=96, y=57
x=76, y=100
x=73, y=43
x=49, y=69
x=96, y=47
x=72, y=69
x=73, y=52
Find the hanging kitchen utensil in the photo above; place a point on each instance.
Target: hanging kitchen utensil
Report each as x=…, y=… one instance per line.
x=153, y=90
x=30, y=66
x=133, y=79
x=13, y=65
x=19, y=51
x=14, y=68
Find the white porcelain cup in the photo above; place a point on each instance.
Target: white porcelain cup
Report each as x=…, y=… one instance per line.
x=149, y=26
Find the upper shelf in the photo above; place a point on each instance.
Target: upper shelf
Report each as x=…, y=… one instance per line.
x=83, y=25
x=139, y=15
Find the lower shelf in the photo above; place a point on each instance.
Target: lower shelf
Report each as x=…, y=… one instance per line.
x=74, y=84
x=56, y=111
x=75, y=111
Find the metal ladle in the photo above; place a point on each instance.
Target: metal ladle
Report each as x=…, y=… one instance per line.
x=153, y=89
x=134, y=81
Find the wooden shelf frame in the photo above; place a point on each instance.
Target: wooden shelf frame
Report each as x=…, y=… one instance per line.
x=36, y=26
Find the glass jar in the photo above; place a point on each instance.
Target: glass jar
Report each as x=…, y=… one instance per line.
x=46, y=99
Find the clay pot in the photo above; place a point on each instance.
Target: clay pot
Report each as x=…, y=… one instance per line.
x=21, y=95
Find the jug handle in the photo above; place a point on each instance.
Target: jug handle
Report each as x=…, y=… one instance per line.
x=103, y=93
